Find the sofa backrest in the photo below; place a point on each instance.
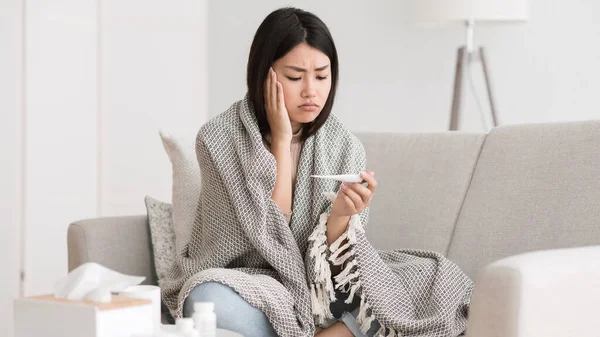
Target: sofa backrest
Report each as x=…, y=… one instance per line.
x=534, y=187
x=422, y=180
x=120, y=243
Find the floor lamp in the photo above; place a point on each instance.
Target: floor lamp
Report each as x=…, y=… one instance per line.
x=470, y=12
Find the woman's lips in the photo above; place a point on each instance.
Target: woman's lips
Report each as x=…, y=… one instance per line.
x=308, y=107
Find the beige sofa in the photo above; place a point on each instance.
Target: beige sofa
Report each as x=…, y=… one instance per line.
x=480, y=199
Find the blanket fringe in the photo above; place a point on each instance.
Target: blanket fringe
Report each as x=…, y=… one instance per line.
x=365, y=316
x=335, y=255
x=320, y=304
x=342, y=277
x=319, y=254
x=342, y=253
x=355, y=287
x=349, y=278
x=321, y=290
x=341, y=259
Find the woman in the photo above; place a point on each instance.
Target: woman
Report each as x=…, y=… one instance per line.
x=280, y=252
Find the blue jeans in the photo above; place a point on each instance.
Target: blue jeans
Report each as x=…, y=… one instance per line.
x=235, y=314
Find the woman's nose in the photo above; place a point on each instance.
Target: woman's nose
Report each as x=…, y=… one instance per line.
x=309, y=92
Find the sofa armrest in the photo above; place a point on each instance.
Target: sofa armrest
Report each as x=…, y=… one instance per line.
x=119, y=243
x=545, y=293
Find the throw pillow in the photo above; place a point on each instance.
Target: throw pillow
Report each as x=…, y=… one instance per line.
x=162, y=235
x=186, y=184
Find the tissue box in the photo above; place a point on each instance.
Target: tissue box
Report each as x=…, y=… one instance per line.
x=51, y=317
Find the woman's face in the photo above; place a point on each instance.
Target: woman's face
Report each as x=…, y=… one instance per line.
x=305, y=75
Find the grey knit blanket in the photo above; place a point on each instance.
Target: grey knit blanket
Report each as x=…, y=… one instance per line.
x=241, y=239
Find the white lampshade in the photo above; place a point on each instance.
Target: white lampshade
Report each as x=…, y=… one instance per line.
x=477, y=10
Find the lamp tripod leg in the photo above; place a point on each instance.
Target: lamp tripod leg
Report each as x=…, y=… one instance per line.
x=488, y=87
x=457, y=92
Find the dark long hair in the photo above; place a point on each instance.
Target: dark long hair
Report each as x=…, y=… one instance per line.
x=280, y=32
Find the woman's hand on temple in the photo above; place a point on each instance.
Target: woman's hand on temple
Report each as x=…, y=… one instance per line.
x=353, y=198
x=277, y=114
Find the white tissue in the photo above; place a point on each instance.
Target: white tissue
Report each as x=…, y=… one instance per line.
x=93, y=282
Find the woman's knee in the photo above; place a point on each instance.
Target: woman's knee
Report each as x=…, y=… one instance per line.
x=208, y=292
x=230, y=308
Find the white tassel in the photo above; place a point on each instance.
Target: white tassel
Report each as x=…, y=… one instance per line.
x=355, y=287
x=336, y=244
x=326, y=305
x=345, y=288
x=323, y=219
x=356, y=224
x=321, y=267
x=322, y=291
x=365, y=320
x=319, y=232
x=339, y=261
x=315, y=234
x=380, y=332
x=316, y=309
x=313, y=297
x=347, y=269
x=317, y=250
x=347, y=279
x=392, y=333
x=319, y=294
x=362, y=313
x=320, y=304
x=340, y=250
x=331, y=291
x=366, y=324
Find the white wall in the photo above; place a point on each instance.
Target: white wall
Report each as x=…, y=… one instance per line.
x=10, y=156
x=396, y=75
x=85, y=87
x=60, y=154
x=153, y=69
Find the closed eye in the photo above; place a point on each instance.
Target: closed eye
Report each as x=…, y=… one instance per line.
x=320, y=78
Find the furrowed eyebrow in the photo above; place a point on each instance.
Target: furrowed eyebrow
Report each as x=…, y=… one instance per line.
x=302, y=70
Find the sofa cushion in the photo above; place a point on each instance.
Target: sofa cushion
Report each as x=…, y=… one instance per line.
x=181, y=150
x=422, y=180
x=162, y=234
x=535, y=187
